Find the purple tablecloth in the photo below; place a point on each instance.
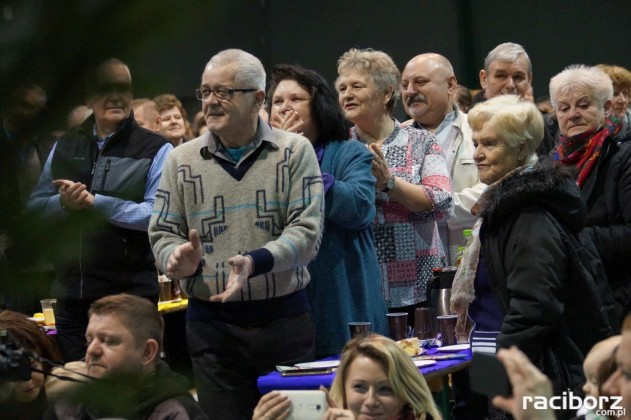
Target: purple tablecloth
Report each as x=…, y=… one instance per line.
x=274, y=380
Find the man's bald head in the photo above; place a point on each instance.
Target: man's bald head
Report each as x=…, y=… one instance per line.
x=146, y=114
x=438, y=61
x=77, y=116
x=428, y=84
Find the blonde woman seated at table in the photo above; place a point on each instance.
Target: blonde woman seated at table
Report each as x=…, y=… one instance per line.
x=376, y=379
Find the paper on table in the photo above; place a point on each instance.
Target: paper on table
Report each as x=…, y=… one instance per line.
x=423, y=363
x=455, y=347
x=321, y=364
x=442, y=357
x=318, y=365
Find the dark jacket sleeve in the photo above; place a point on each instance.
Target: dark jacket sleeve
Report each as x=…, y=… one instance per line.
x=528, y=273
x=613, y=241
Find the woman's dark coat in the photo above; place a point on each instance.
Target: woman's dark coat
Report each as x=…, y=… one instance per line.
x=548, y=282
x=607, y=192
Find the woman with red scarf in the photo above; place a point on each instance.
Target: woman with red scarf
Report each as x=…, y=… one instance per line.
x=582, y=99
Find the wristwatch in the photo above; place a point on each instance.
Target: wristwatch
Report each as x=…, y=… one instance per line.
x=389, y=184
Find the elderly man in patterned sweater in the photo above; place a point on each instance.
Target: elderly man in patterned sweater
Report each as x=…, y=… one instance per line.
x=238, y=216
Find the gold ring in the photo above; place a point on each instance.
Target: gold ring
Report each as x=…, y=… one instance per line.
x=267, y=417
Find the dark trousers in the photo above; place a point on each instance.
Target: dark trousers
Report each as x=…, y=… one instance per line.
x=227, y=360
x=71, y=319
x=467, y=404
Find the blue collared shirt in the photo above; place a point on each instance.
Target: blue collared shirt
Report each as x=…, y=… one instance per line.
x=100, y=141
x=213, y=145
x=122, y=213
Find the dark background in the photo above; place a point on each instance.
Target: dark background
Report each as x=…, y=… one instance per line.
x=167, y=43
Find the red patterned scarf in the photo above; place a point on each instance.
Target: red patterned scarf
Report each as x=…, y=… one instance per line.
x=583, y=150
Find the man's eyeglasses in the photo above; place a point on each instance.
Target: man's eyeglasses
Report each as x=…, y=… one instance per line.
x=221, y=93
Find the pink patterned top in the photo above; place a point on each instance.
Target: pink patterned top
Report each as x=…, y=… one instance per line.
x=408, y=244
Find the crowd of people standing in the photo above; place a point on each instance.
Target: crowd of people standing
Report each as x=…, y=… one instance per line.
x=288, y=211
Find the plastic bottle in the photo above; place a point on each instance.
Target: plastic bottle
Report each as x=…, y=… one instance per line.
x=466, y=233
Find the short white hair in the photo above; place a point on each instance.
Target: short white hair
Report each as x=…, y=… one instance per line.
x=515, y=120
x=591, y=80
x=250, y=72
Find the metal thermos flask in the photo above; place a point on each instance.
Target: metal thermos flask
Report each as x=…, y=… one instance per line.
x=439, y=293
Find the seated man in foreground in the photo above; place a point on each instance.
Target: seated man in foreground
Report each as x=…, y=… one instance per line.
x=124, y=340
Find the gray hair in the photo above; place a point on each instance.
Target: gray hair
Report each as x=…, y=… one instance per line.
x=507, y=52
x=378, y=65
x=591, y=80
x=515, y=120
x=250, y=72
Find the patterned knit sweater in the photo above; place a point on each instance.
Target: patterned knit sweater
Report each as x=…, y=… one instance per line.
x=269, y=205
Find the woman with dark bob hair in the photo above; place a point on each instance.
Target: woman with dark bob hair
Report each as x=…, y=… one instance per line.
x=324, y=122
x=345, y=275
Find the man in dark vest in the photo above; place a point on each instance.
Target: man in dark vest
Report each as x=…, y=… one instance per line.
x=97, y=190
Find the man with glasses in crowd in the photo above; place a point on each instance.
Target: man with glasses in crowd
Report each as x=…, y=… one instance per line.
x=97, y=190
x=238, y=217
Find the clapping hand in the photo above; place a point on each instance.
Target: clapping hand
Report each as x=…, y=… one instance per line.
x=380, y=168
x=73, y=195
x=242, y=268
x=185, y=258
